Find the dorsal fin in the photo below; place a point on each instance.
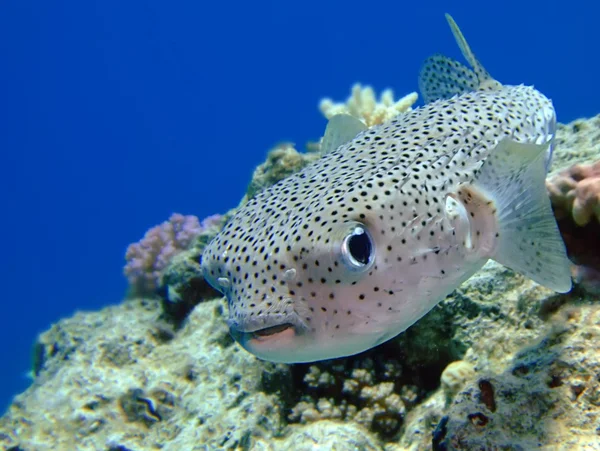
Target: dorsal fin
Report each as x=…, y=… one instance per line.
x=479, y=70
x=442, y=77
x=340, y=129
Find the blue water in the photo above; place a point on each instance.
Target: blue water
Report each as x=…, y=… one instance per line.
x=114, y=114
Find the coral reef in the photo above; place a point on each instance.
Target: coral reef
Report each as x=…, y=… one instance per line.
x=501, y=363
x=575, y=192
x=147, y=259
x=363, y=105
x=575, y=196
x=362, y=390
x=166, y=262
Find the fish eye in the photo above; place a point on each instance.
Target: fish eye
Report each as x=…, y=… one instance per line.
x=358, y=249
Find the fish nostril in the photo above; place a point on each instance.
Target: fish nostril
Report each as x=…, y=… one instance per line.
x=289, y=275
x=224, y=282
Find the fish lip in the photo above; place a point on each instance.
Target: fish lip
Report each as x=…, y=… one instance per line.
x=262, y=322
x=265, y=327
x=269, y=335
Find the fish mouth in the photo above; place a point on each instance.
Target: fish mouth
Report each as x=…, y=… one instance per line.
x=264, y=335
x=271, y=330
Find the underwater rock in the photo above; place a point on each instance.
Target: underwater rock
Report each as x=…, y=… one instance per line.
x=454, y=377
x=326, y=436
x=548, y=397
x=107, y=380
x=577, y=142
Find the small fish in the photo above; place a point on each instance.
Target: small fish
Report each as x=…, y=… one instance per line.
x=352, y=250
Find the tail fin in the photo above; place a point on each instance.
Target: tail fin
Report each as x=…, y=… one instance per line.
x=529, y=242
x=442, y=77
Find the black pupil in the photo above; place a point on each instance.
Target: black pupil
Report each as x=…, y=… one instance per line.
x=360, y=247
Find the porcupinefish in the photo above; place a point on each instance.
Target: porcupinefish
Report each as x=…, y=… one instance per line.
x=356, y=247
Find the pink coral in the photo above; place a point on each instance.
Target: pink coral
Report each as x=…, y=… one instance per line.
x=576, y=192
x=212, y=221
x=147, y=259
x=575, y=196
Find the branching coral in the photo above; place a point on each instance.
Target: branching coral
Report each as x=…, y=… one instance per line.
x=363, y=104
x=361, y=389
x=147, y=259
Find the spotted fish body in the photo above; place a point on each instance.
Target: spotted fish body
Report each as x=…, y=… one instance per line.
x=355, y=248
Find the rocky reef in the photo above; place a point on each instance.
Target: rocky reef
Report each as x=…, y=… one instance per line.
x=501, y=363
